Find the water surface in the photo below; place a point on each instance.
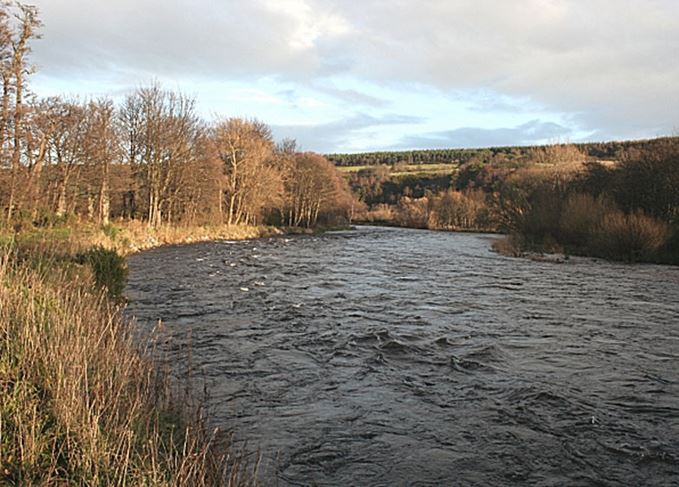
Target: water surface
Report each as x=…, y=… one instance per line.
x=400, y=357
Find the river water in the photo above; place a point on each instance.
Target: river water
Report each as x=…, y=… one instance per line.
x=393, y=357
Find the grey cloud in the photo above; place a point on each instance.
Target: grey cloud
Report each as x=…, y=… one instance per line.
x=608, y=63
x=167, y=37
x=533, y=132
x=336, y=136
x=352, y=97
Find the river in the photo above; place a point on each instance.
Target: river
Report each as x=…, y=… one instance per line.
x=383, y=356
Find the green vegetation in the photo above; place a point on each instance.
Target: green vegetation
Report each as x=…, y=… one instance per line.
x=109, y=269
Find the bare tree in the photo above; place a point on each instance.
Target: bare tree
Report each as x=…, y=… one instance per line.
x=6, y=74
x=102, y=149
x=253, y=182
x=28, y=23
x=67, y=145
x=314, y=186
x=161, y=129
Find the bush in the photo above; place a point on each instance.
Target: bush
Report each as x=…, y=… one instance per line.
x=670, y=251
x=455, y=210
x=630, y=237
x=413, y=212
x=51, y=219
x=581, y=216
x=109, y=269
x=111, y=231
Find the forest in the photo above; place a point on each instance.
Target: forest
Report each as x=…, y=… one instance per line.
x=612, y=150
x=555, y=198
x=149, y=157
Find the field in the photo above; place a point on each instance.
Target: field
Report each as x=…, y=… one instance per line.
x=408, y=169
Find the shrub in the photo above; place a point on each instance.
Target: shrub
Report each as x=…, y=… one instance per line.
x=511, y=246
x=581, y=216
x=630, y=237
x=110, y=230
x=670, y=251
x=51, y=219
x=413, y=212
x=455, y=210
x=109, y=269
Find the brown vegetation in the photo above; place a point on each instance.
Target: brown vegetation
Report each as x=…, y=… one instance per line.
x=150, y=159
x=626, y=212
x=80, y=404
x=551, y=198
x=81, y=401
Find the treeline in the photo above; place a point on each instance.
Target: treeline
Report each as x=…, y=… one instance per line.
x=626, y=211
x=593, y=150
x=385, y=185
x=149, y=158
x=559, y=199
x=377, y=185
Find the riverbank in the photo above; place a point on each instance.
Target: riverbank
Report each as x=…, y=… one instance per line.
x=125, y=237
x=81, y=403
x=629, y=243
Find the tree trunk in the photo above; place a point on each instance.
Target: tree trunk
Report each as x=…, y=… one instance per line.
x=104, y=196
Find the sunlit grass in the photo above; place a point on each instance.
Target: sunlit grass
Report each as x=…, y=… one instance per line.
x=407, y=169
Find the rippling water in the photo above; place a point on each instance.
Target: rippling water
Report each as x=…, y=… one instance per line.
x=401, y=357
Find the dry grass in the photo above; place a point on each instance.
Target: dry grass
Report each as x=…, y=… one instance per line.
x=125, y=237
x=132, y=236
x=407, y=169
x=80, y=403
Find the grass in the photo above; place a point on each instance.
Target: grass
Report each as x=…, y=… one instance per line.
x=408, y=169
x=80, y=402
x=124, y=237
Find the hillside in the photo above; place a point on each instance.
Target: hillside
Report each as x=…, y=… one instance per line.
x=595, y=150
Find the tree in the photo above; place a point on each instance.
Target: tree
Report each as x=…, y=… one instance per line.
x=315, y=188
x=253, y=180
x=161, y=130
x=28, y=23
x=102, y=149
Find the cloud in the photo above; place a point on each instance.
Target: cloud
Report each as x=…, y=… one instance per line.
x=339, y=135
x=607, y=62
x=609, y=65
x=351, y=97
x=531, y=133
x=198, y=38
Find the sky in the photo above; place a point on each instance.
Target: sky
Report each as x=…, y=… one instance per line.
x=353, y=76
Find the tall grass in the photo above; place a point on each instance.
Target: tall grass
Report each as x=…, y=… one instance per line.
x=80, y=402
